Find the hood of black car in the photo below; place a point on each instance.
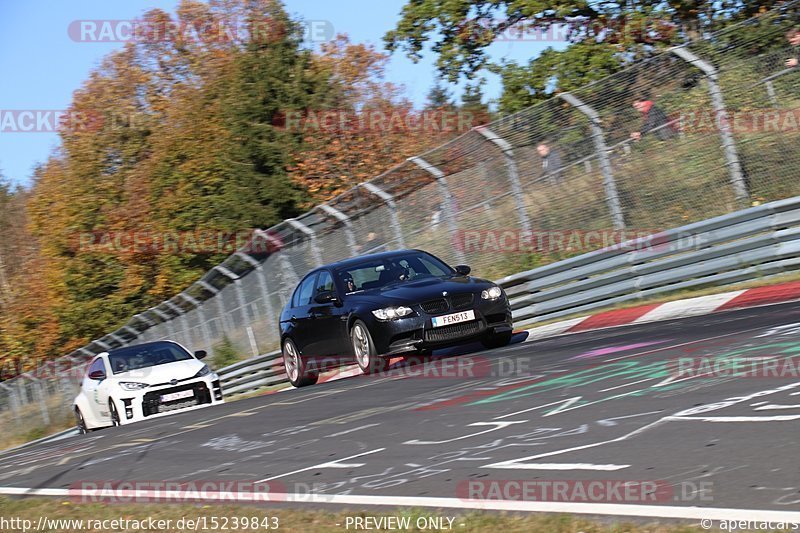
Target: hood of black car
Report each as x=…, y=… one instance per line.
x=421, y=290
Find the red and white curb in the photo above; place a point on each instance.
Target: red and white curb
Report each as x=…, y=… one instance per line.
x=701, y=305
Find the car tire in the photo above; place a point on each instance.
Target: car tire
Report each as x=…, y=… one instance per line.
x=364, y=350
x=497, y=340
x=112, y=410
x=295, y=366
x=80, y=423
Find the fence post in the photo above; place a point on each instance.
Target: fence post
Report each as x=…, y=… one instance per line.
x=447, y=199
x=167, y=320
x=609, y=184
x=312, y=236
x=220, y=304
x=718, y=103
x=131, y=331
x=513, y=174
x=390, y=203
x=181, y=317
x=201, y=313
x=42, y=398
x=117, y=338
x=237, y=287
x=105, y=346
x=348, y=226
x=13, y=401
x=258, y=272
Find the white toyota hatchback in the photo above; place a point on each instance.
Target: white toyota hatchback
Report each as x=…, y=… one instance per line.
x=143, y=381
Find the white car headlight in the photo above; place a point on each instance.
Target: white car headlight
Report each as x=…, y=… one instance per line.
x=492, y=294
x=391, y=313
x=203, y=371
x=132, y=385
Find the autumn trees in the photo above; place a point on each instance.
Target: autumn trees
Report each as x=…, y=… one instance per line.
x=187, y=134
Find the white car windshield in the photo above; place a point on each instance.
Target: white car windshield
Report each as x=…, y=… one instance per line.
x=146, y=355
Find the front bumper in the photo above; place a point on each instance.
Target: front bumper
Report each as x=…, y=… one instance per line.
x=147, y=403
x=417, y=332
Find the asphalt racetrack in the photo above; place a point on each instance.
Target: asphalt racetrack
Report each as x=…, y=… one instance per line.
x=659, y=406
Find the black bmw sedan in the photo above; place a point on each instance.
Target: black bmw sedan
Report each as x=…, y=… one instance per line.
x=368, y=308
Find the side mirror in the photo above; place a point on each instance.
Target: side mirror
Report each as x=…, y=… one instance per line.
x=200, y=354
x=97, y=375
x=323, y=297
x=463, y=270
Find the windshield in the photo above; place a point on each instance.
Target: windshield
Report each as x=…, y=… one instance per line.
x=380, y=273
x=143, y=356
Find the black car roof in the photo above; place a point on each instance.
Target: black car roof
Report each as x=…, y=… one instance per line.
x=361, y=258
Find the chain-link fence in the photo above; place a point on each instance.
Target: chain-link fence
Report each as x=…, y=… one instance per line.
x=694, y=132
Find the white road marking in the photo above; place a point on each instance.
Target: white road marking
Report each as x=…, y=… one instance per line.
x=610, y=421
x=332, y=464
x=777, y=418
x=513, y=465
x=498, y=425
x=701, y=305
x=351, y=430
x=608, y=509
x=566, y=403
x=626, y=385
x=776, y=406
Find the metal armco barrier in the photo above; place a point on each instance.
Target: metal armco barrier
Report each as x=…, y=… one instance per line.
x=252, y=374
x=741, y=246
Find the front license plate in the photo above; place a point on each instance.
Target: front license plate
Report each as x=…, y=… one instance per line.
x=177, y=395
x=455, y=318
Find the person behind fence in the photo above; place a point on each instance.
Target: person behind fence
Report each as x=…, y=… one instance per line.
x=551, y=162
x=654, y=121
x=793, y=36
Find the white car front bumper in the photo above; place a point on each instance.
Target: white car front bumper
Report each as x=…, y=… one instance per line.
x=150, y=402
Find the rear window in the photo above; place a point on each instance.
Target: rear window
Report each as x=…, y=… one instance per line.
x=143, y=356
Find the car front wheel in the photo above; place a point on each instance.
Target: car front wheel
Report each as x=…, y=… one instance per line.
x=295, y=366
x=364, y=349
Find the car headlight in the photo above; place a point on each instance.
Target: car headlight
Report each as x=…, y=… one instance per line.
x=492, y=294
x=203, y=371
x=132, y=385
x=390, y=313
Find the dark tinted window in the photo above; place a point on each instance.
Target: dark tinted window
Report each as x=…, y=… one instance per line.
x=145, y=355
x=302, y=295
x=96, y=365
x=324, y=281
x=379, y=273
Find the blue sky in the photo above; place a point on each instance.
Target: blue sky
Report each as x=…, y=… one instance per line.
x=42, y=66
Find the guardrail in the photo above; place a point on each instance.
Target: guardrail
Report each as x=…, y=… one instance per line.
x=745, y=245
x=741, y=246
x=252, y=374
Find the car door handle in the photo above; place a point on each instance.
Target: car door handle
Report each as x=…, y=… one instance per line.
x=293, y=319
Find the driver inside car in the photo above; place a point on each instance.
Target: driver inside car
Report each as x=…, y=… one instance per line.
x=349, y=284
